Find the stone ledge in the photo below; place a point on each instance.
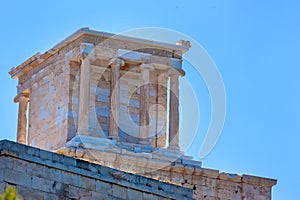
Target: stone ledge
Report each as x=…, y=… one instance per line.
x=255, y=180
x=55, y=160
x=212, y=173
x=84, y=144
x=230, y=177
x=165, y=159
x=91, y=170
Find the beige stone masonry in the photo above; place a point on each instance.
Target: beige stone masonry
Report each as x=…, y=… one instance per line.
x=102, y=98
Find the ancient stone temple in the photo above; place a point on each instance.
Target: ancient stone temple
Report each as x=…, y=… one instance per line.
x=99, y=119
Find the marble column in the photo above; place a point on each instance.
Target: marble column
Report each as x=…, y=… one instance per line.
x=174, y=110
x=22, y=118
x=113, y=132
x=144, y=104
x=162, y=81
x=84, y=97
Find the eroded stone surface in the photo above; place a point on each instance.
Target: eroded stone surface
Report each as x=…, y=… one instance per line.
x=75, y=90
x=39, y=177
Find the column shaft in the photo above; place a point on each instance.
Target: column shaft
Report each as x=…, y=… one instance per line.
x=22, y=119
x=84, y=98
x=162, y=85
x=174, y=113
x=144, y=104
x=113, y=132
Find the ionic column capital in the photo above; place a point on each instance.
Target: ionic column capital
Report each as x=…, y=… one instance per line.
x=24, y=97
x=176, y=72
x=86, y=51
x=116, y=62
x=149, y=67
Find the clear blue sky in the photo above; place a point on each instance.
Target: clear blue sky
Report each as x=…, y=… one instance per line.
x=255, y=45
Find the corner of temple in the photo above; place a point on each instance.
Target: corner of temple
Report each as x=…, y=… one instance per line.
x=24, y=95
x=184, y=43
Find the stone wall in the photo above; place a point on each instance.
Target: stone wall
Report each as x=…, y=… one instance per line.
x=48, y=109
x=170, y=167
x=39, y=174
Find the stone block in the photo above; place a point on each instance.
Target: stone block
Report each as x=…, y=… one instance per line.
x=162, y=186
x=210, y=173
x=16, y=177
x=160, y=156
x=230, y=177
x=52, y=174
x=165, y=174
x=102, y=111
x=254, y=190
x=197, y=171
x=87, y=183
x=209, y=182
x=157, y=164
x=103, y=156
x=58, y=158
x=33, y=151
x=99, y=195
x=209, y=191
x=49, y=196
x=79, y=152
x=176, y=178
x=70, y=179
x=129, y=159
x=188, y=170
x=191, y=162
x=46, y=155
x=2, y=174
x=5, y=162
x=258, y=180
x=177, y=168
x=30, y=193
x=104, y=187
x=77, y=192
x=137, y=154
x=43, y=184
x=148, y=196
x=3, y=186
x=20, y=165
x=134, y=194
x=119, y=191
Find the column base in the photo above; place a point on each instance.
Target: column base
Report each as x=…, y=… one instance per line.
x=144, y=142
x=21, y=141
x=115, y=138
x=86, y=133
x=174, y=147
x=90, y=142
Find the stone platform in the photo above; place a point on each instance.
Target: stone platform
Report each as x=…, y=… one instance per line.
x=40, y=174
x=169, y=166
x=130, y=157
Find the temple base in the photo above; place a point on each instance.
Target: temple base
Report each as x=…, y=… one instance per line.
x=129, y=157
